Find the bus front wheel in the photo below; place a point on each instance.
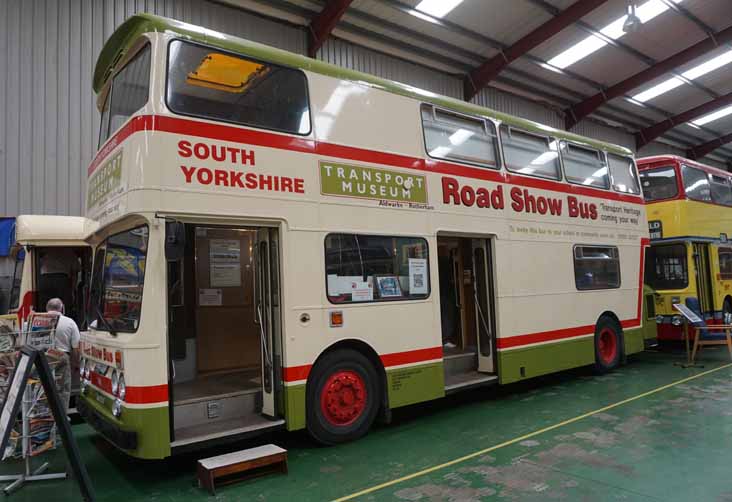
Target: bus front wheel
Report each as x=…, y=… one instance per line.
x=343, y=396
x=607, y=345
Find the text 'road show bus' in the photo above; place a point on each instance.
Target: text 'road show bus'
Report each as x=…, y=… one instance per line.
x=689, y=208
x=288, y=244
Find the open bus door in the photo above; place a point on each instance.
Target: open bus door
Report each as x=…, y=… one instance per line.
x=702, y=263
x=483, y=292
x=266, y=310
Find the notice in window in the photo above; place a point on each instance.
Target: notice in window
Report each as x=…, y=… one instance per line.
x=225, y=263
x=417, y=276
x=361, y=292
x=209, y=297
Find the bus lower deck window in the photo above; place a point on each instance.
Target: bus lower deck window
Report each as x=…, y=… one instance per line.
x=596, y=267
x=366, y=268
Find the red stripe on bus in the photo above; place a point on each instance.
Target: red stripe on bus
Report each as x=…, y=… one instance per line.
x=101, y=382
x=412, y=356
x=223, y=132
x=295, y=373
x=146, y=394
x=543, y=336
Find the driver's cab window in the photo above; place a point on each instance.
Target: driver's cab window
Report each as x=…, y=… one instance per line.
x=129, y=91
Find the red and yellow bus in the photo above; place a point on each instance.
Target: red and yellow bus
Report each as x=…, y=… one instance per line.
x=689, y=208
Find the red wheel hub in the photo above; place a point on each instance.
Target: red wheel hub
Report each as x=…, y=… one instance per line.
x=607, y=346
x=343, y=398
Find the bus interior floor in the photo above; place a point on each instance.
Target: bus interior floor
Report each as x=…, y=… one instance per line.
x=646, y=431
x=218, y=384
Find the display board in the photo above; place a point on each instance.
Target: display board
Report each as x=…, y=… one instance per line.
x=690, y=315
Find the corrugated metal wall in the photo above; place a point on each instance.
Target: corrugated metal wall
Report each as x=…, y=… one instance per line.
x=48, y=118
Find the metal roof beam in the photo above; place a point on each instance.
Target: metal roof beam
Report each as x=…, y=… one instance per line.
x=699, y=151
x=479, y=77
x=578, y=111
x=322, y=25
x=648, y=134
x=620, y=45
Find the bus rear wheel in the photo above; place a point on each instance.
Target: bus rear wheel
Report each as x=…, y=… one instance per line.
x=343, y=396
x=607, y=345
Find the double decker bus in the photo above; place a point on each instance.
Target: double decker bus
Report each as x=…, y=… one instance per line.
x=689, y=209
x=284, y=243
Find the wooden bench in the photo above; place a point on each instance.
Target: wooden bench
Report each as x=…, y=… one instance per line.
x=262, y=459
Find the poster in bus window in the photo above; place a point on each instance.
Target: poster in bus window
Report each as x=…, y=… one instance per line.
x=388, y=286
x=417, y=276
x=225, y=263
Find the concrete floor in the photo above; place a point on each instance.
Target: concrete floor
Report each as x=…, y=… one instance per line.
x=628, y=435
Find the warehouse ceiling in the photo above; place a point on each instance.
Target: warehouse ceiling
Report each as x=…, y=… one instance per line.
x=667, y=76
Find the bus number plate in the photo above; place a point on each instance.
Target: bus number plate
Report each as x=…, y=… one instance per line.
x=655, y=228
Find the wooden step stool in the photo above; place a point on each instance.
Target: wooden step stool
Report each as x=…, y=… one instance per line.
x=265, y=459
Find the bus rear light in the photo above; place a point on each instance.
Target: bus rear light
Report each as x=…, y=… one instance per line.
x=118, y=360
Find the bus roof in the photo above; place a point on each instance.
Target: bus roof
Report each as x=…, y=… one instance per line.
x=643, y=161
x=127, y=34
x=46, y=230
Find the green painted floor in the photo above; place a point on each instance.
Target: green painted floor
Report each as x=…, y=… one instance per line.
x=673, y=444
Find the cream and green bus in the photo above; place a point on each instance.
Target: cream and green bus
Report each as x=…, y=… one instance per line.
x=286, y=244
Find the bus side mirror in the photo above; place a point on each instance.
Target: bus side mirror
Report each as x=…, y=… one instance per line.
x=175, y=240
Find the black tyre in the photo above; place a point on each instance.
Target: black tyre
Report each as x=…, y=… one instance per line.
x=343, y=396
x=607, y=345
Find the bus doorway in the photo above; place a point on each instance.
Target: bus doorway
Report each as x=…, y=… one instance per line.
x=467, y=311
x=224, y=316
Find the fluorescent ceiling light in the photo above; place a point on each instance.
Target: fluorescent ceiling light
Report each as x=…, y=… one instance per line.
x=723, y=112
x=692, y=74
x=659, y=89
x=437, y=8
x=613, y=31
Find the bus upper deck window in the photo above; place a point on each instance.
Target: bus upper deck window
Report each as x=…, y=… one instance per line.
x=721, y=189
x=696, y=184
x=659, y=183
x=585, y=166
x=623, y=172
x=461, y=138
x=207, y=83
x=531, y=154
x=129, y=92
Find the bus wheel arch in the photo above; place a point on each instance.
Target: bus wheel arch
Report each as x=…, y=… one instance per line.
x=608, y=343
x=345, y=392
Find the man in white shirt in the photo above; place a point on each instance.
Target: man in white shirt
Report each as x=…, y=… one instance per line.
x=66, y=340
x=67, y=332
